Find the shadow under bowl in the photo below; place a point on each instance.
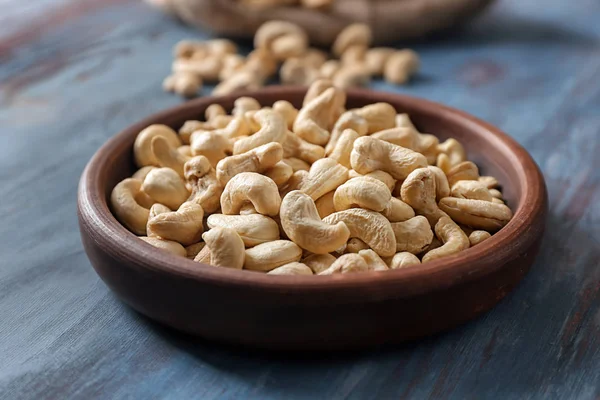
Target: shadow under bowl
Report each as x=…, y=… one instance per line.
x=326, y=312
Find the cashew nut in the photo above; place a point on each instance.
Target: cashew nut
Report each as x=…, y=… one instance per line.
x=126, y=209
x=397, y=211
x=141, y=173
x=242, y=80
x=282, y=39
x=295, y=71
x=315, y=90
x=347, y=263
x=351, y=76
x=142, y=147
x=270, y=255
x=454, y=150
x=324, y=176
x=379, y=116
x=400, y=66
x=243, y=104
x=201, y=180
x=211, y=145
x=343, y=148
x=403, y=259
x=203, y=256
x=287, y=111
x=412, y=235
x=258, y=160
x=280, y=173
x=156, y=209
x=348, y=120
x=376, y=58
x=165, y=186
x=453, y=238
x=315, y=118
x=319, y=262
x=193, y=249
x=273, y=129
x=191, y=126
x=400, y=136
x=379, y=175
x=167, y=156
x=297, y=164
x=465, y=171
x=474, y=190
x=293, y=268
x=183, y=83
x=294, y=183
x=419, y=191
x=354, y=245
x=352, y=35
x=477, y=237
x=250, y=187
x=325, y=205
x=166, y=245
x=183, y=226
x=489, y=181
x=478, y=214
x=442, y=189
x=329, y=69
x=253, y=229
x=362, y=192
x=226, y=248
x=374, y=262
x=295, y=147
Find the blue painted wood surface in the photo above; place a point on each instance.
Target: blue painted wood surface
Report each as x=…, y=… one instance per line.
x=74, y=72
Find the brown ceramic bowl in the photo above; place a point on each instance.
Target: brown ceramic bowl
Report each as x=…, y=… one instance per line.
x=324, y=312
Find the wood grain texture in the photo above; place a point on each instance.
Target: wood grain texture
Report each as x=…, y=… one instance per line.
x=70, y=79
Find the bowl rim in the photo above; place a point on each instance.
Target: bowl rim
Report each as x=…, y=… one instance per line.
x=472, y=263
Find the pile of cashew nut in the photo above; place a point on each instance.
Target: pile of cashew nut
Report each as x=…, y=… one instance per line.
x=283, y=46
x=320, y=190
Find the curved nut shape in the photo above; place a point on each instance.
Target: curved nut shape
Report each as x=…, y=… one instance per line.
x=193, y=249
x=369, y=226
x=347, y=263
x=226, y=248
x=270, y=255
x=201, y=179
x=343, y=147
x=477, y=214
x=243, y=104
x=203, y=255
x=465, y=171
x=325, y=204
x=413, y=235
x=427, y=145
x=280, y=173
x=315, y=90
x=142, y=150
x=237, y=127
x=403, y=120
x=287, y=111
x=397, y=211
x=489, y=181
x=191, y=126
x=454, y=150
x=258, y=160
x=297, y=164
x=186, y=151
x=453, y=238
x=315, y=118
x=293, y=268
x=442, y=189
x=362, y=192
x=141, y=173
x=352, y=75
x=157, y=209
x=348, y=120
x=495, y=193
x=379, y=116
x=418, y=191
x=210, y=144
x=404, y=259
x=254, y=229
x=443, y=163
x=293, y=146
x=165, y=186
x=242, y=80
x=474, y=190
x=370, y=154
x=283, y=39
x=250, y=187
x=379, y=175
x=272, y=129
x=374, y=262
x=195, y=168
x=319, y=262
x=400, y=136
x=352, y=35
x=167, y=156
x=294, y=183
x=324, y=176
x=166, y=245
x=301, y=223
x=376, y=58
x=126, y=209
x=183, y=226
x=355, y=245
x=213, y=111
x=400, y=66
x=477, y=237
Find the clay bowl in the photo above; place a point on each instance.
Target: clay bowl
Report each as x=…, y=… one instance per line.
x=325, y=312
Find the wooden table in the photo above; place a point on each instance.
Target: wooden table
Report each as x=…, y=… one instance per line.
x=74, y=72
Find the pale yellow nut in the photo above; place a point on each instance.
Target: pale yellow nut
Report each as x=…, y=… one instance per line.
x=397, y=211
x=370, y=154
x=325, y=205
x=314, y=119
x=474, y=190
x=287, y=111
x=464, y=171
x=183, y=83
x=351, y=75
x=142, y=147
x=318, y=262
x=329, y=69
x=403, y=120
x=355, y=55
x=191, y=126
x=183, y=226
x=495, y=193
x=295, y=71
x=400, y=136
x=232, y=63
x=247, y=209
x=166, y=187
x=477, y=237
x=201, y=180
x=477, y=214
x=273, y=128
x=324, y=176
x=369, y=226
x=379, y=175
x=211, y=145
x=221, y=121
x=303, y=225
x=193, y=249
x=443, y=163
x=352, y=35
x=379, y=116
x=497, y=201
x=355, y=245
x=226, y=248
x=125, y=207
x=295, y=147
x=347, y=263
x=185, y=48
x=213, y=111
x=296, y=164
x=428, y=146
x=375, y=59
x=453, y=238
x=141, y=173
x=412, y=235
x=270, y=255
x=404, y=259
x=144, y=200
x=316, y=89
x=294, y=183
x=185, y=151
x=261, y=64
x=489, y=181
x=203, y=256
x=281, y=38
x=250, y=187
x=221, y=47
x=166, y=245
x=400, y=66
x=253, y=229
x=157, y=209
x=258, y=160
x=167, y=156
x=442, y=189
x=419, y=192
x=206, y=68
x=343, y=147
x=362, y=192
x=315, y=57
x=454, y=150
x=241, y=80
x=293, y=268
x=195, y=168
x=280, y=173
x=241, y=105
x=374, y=262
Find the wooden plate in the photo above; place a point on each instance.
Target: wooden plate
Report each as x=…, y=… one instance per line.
x=325, y=312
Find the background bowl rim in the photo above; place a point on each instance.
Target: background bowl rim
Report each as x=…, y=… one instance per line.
x=508, y=243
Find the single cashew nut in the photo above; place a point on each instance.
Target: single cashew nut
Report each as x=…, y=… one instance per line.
x=419, y=191
x=371, y=154
x=294, y=183
x=242, y=80
x=273, y=129
x=142, y=147
x=355, y=245
x=270, y=255
x=141, y=173
x=166, y=245
x=379, y=175
x=495, y=193
x=125, y=207
x=454, y=150
x=489, y=181
x=211, y=145
x=282, y=39
x=465, y=171
x=213, y=111
x=352, y=75
x=280, y=173
x=201, y=180
x=329, y=68
x=347, y=263
x=297, y=164
x=400, y=136
x=477, y=237
x=474, y=190
x=369, y=226
x=397, y=211
x=183, y=226
x=295, y=147
x=379, y=116
x=156, y=209
x=404, y=259
x=206, y=68
x=315, y=90
x=243, y=104
x=400, y=66
x=324, y=176
x=374, y=262
x=295, y=71
x=443, y=162
x=250, y=187
x=428, y=146
x=193, y=249
x=362, y=192
x=186, y=84
x=442, y=189
x=293, y=268
x=343, y=148
x=226, y=248
x=453, y=238
x=348, y=120
x=287, y=111
x=477, y=214
x=301, y=222
x=352, y=35
x=167, y=156
x=325, y=204
x=376, y=58
x=258, y=160
x=315, y=118
x=191, y=126
x=403, y=120
x=203, y=255
x=319, y=262
x=355, y=55
x=412, y=235
x=253, y=229
x=165, y=186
